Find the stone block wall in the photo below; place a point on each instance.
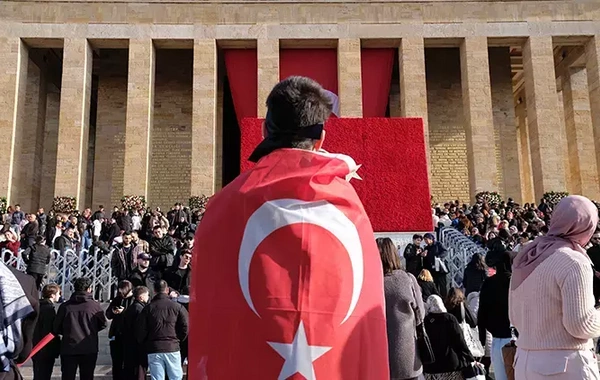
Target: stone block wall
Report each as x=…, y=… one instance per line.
x=447, y=140
x=111, y=68
x=171, y=135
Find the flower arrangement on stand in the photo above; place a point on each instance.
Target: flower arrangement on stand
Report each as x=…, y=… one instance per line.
x=198, y=203
x=133, y=202
x=64, y=205
x=3, y=205
x=488, y=197
x=553, y=197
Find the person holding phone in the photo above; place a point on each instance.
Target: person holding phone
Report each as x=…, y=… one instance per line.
x=115, y=312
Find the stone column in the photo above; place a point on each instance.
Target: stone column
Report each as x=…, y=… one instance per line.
x=267, y=52
x=579, y=132
x=73, y=122
x=524, y=154
x=545, y=125
x=13, y=82
x=592, y=53
x=349, y=77
x=413, y=85
x=204, y=117
x=477, y=107
x=140, y=111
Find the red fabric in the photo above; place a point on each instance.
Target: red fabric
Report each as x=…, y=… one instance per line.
x=376, y=67
x=242, y=72
x=41, y=344
x=317, y=64
x=395, y=187
x=309, y=260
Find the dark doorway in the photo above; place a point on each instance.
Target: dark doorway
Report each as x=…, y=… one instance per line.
x=231, y=137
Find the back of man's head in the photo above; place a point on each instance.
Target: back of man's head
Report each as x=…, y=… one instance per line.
x=161, y=287
x=139, y=291
x=297, y=108
x=82, y=284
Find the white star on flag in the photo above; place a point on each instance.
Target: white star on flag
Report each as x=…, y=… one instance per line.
x=298, y=355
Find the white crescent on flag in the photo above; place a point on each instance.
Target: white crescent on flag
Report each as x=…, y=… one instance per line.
x=273, y=215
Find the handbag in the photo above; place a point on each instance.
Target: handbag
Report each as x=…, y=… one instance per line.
x=475, y=371
x=440, y=266
x=423, y=344
x=471, y=336
x=509, y=352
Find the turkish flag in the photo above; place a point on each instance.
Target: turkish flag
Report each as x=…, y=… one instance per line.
x=287, y=280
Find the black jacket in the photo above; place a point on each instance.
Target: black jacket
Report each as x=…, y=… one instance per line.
x=147, y=279
x=28, y=234
x=78, y=321
x=43, y=327
x=473, y=279
x=162, y=325
x=179, y=279
x=471, y=321
x=116, y=326
x=428, y=289
x=62, y=243
x=433, y=251
x=594, y=255
x=130, y=321
x=162, y=251
x=414, y=261
x=37, y=258
x=493, y=306
x=449, y=347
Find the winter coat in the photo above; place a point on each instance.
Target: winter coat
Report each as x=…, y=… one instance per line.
x=43, y=327
x=456, y=311
x=28, y=234
x=37, y=258
x=122, y=262
x=473, y=279
x=117, y=325
x=428, y=289
x=42, y=221
x=147, y=279
x=449, y=346
x=433, y=251
x=162, y=251
x=63, y=243
x=129, y=326
x=414, y=261
x=179, y=279
x=493, y=306
x=162, y=325
x=78, y=321
x=404, y=310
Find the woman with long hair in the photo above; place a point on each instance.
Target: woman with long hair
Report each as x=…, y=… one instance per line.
x=551, y=298
x=455, y=304
x=449, y=347
x=404, y=311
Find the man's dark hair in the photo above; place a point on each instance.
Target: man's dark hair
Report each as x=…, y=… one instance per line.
x=160, y=286
x=50, y=290
x=295, y=103
x=417, y=236
x=82, y=284
x=125, y=285
x=139, y=290
x=17, y=205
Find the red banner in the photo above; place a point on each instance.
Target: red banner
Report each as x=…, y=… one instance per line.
x=376, y=68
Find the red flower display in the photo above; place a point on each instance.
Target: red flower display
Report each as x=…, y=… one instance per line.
x=394, y=187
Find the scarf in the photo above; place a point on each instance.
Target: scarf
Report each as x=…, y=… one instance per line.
x=14, y=307
x=573, y=224
x=435, y=305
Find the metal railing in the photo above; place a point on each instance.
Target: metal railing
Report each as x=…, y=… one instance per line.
x=68, y=265
x=460, y=250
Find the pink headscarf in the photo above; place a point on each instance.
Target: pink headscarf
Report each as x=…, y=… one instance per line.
x=573, y=223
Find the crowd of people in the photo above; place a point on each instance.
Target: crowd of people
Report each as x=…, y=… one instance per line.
x=151, y=262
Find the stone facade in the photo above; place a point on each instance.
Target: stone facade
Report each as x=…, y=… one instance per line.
x=506, y=104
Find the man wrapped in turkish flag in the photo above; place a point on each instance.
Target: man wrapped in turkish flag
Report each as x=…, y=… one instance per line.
x=287, y=280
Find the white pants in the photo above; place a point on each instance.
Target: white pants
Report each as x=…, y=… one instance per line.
x=498, y=359
x=556, y=365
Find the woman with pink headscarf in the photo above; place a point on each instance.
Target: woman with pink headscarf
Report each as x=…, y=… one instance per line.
x=551, y=301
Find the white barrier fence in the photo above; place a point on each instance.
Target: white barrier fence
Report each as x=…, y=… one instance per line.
x=460, y=250
x=68, y=265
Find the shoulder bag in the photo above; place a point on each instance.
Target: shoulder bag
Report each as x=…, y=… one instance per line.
x=471, y=335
